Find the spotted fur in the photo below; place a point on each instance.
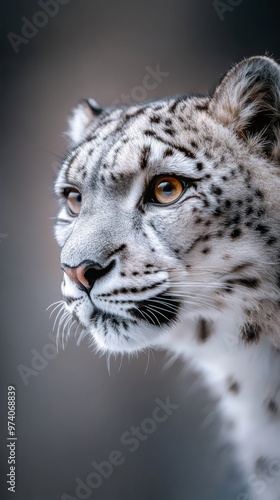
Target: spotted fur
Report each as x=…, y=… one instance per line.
x=200, y=276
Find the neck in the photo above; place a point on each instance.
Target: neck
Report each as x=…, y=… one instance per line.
x=246, y=378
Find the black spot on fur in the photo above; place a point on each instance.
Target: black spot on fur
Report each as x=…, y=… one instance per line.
x=273, y=407
x=233, y=386
x=174, y=105
x=168, y=152
x=216, y=190
x=249, y=210
x=116, y=250
x=186, y=152
x=227, y=203
x=150, y=133
x=271, y=240
x=202, y=107
x=204, y=330
x=240, y=267
x=235, y=233
x=247, y=282
x=199, y=166
x=206, y=250
x=155, y=119
x=70, y=300
x=261, y=228
x=145, y=153
x=250, y=334
x=217, y=212
x=169, y=131
x=258, y=193
x=236, y=219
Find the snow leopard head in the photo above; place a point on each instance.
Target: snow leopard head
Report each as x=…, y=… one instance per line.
x=170, y=209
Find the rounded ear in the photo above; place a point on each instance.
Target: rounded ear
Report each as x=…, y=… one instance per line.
x=82, y=115
x=248, y=101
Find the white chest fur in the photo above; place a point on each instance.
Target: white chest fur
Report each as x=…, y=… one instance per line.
x=246, y=380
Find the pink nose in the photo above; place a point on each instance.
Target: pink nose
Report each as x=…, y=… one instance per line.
x=86, y=274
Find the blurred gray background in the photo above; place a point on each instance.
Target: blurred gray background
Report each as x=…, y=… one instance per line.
x=70, y=410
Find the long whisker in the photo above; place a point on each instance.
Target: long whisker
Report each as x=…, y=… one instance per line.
x=69, y=329
x=53, y=304
x=148, y=360
x=65, y=325
x=62, y=319
x=203, y=297
x=162, y=302
x=62, y=308
x=198, y=300
x=120, y=365
x=196, y=283
x=151, y=311
x=145, y=315
x=56, y=307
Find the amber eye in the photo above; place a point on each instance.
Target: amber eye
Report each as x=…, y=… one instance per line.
x=167, y=189
x=73, y=198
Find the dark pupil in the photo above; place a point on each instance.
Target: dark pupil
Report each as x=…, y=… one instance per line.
x=166, y=187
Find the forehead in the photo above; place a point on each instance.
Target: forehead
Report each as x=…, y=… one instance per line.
x=123, y=142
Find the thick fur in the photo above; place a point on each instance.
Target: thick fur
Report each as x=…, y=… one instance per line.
x=201, y=276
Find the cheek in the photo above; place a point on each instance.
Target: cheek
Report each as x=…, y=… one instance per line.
x=173, y=227
x=62, y=233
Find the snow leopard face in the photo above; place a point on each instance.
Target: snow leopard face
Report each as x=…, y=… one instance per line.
x=170, y=209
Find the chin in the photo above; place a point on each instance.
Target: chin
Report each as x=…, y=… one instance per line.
x=138, y=338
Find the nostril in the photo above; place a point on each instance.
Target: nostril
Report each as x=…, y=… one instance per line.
x=92, y=274
x=87, y=273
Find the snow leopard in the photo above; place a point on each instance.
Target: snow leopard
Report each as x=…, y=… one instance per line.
x=169, y=227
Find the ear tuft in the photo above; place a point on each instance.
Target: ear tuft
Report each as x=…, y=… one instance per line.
x=82, y=116
x=248, y=101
